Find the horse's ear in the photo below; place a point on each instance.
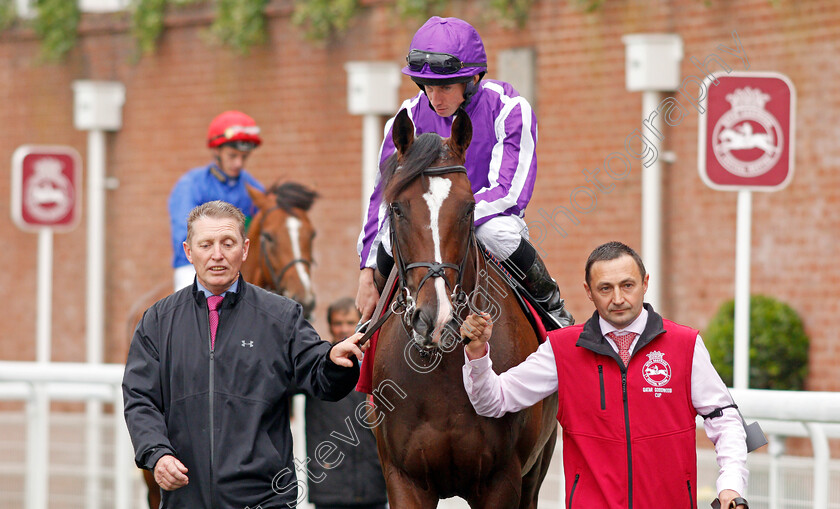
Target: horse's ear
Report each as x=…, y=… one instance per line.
x=260, y=199
x=461, y=134
x=402, y=132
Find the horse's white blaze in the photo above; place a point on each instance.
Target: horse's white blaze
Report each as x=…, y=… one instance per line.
x=293, y=224
x=438, y=192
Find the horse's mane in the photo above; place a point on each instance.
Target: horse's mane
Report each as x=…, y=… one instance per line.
x=426, y=149
x=291, y=195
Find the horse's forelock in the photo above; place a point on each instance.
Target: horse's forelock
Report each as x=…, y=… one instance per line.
x=425, y=150
x=291, y=195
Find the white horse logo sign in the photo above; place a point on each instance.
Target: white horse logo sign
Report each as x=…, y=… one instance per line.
x=747, y=132
x=44, y=180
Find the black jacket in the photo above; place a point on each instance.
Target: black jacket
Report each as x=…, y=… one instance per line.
x=345, y=470
x=176, y=390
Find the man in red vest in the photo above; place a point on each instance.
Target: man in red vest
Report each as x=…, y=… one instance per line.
x=630, y=384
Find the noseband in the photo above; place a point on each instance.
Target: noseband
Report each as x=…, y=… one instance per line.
x=404, y=299
x=276, y=276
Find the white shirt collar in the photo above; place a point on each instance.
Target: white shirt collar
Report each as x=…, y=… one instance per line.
x=637, y=325
x=208, y=293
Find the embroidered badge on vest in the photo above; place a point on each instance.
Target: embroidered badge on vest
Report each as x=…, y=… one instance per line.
x=657, y=372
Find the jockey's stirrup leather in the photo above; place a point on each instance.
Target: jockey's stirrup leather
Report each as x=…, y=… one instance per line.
x=545, y=291
x=536, y=280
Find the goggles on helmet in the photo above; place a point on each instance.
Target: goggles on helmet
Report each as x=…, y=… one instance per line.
x=238, y=130
x=439, y=63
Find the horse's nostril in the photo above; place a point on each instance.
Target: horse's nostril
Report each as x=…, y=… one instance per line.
x=422, y=323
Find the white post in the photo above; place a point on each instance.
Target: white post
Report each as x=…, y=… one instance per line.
x=775, y=448
x=371, y=141
x=822, y=455
x=44, y=319
x=95, y=245
x=652, y=66
x=97, y=108
x=652, y=205
x=743, y=240
x=36, y=484
x=371, y=92
x=95, y=306
x=38, y=408
x=123, y=460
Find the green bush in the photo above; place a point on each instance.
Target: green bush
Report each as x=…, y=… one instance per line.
x=778, y=344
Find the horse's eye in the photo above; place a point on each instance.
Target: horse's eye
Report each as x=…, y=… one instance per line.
x=268, y=237
x=468, y=214
x=395, y=208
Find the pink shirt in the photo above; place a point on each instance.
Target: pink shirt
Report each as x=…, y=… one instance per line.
x=534, y=379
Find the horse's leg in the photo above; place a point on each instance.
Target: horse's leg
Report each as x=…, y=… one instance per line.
x=154, y=489
x=503, y=489
x=532, y=481
x=404, y=493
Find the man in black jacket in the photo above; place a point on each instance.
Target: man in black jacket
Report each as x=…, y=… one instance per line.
x=350, y=477
x=206, y=391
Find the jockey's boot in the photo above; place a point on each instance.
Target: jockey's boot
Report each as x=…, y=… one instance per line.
x=384, y=265
x=528, y=268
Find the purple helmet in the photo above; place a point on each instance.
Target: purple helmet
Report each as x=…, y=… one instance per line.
x=445, y=51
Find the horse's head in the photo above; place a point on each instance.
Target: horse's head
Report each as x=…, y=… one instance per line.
x=431, y=213
x=281, y=238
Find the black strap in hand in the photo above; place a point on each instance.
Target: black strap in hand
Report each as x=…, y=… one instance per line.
x=739, y=501
x=717, y=412
x=732, y=505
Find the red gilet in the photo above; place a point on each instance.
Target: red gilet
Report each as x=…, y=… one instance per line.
x=632, y=448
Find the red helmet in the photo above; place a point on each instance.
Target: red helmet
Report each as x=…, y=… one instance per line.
x=236, y=128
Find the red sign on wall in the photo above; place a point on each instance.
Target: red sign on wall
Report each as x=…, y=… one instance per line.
x=746, y=139
x=45, y=187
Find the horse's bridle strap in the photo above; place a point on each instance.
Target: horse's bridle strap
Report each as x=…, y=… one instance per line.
x=435, y=269
x=276, y=275
x=440, y=170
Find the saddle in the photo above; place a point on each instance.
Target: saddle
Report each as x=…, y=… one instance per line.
x=383, y=311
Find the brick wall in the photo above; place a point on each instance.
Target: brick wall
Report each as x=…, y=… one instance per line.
x=296, y=90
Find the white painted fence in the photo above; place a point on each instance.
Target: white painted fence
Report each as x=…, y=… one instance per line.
x=781, y=413
x=39, y=383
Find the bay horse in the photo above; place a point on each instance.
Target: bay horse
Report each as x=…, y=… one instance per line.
x=431, y=443
x=281, y=237
x=279, y=260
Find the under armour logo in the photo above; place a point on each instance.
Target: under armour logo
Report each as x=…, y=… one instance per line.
x=249, y=344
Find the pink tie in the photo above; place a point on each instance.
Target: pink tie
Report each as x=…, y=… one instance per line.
x=213, y=302
x=623, y=341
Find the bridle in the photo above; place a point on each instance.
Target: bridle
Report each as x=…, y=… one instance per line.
x=404, y=302
x=276, y=276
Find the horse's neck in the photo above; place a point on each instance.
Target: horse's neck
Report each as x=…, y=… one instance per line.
x=251, y=266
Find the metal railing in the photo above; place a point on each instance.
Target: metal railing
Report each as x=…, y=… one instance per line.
x=38, y=384
x=815, y=415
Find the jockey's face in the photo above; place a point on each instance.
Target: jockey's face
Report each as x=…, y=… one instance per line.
x=230, y=160
x=617, y=289
x=343, y=324
x=217, y=251
x=446, y=99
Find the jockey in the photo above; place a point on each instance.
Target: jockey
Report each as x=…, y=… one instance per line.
x=231, y=137
x=447, y=61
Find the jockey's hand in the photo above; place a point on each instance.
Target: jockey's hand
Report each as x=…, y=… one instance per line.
x=348, y=351
x=478, y=329
x=170, y=473
x=368, y=295
x=726, y=496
